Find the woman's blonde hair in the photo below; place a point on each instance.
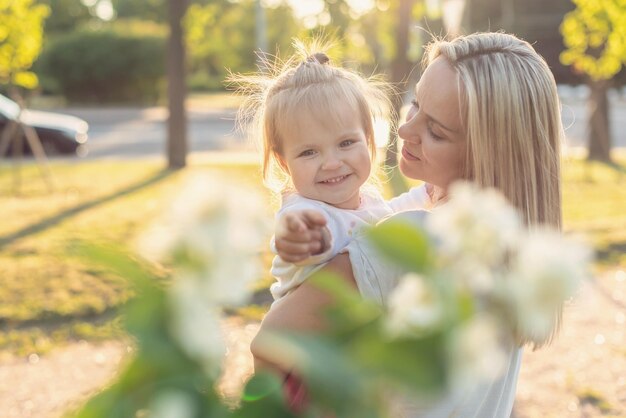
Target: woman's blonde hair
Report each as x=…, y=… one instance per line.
x=511, y=114
x=305, y=85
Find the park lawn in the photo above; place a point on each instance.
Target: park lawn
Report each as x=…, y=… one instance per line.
x=50, y=296
x=594, y=206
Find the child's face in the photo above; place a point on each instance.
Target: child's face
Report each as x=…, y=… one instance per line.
x=328, y=161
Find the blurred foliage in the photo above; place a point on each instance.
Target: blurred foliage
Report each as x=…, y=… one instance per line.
x=66, y=16
x=106, y=66
x=21, y=35
x=595, y=36
x=138, y=27
x=162, y=377
x=437, y=331
x=368, y=40
x=221, y=36
x=154, y=10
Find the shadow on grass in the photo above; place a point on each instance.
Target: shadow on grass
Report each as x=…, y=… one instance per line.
x=41, y=336
x=68, y=213
x=611, y=253
x=52, y=320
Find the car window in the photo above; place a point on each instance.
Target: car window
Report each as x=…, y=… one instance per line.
x=8, y=107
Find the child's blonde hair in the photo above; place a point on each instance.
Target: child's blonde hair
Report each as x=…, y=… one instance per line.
x=511, y=113
x=308, y=85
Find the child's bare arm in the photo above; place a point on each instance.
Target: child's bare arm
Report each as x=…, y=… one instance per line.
x=300, y=235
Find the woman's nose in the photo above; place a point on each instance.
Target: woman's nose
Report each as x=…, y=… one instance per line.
x=408, y=131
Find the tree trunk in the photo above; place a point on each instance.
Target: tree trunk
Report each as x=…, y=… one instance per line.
x=599, y=128
x=400, y=68
x=176, y=88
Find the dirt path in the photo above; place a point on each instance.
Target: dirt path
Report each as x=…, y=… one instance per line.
x=583, y=374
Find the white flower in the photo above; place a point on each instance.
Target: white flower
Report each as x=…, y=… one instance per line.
x=475, y=224
x=547, y=270
x=478, y=351
x=213, y=231
x=195, y=324
x=415, y=307
x=172, y=404
x=468, y=273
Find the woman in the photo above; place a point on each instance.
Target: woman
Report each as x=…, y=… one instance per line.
x=485, y=110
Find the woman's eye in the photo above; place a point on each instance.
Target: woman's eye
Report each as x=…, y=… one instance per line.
x=307, y=153
x=433, y=134
x=347, y=143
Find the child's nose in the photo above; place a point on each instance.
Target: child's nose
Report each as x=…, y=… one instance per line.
x=332, y=162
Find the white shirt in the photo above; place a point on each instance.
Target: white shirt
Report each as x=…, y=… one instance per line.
x=341, y=226
x=376, y=277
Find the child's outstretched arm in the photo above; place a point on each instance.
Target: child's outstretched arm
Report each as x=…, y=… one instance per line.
x=300, y=234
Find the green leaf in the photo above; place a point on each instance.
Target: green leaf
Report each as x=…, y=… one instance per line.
x=401, y=241
x=261, y=386
x=417, y=363
x=263, y=397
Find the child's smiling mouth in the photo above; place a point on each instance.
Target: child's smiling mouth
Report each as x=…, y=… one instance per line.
x=335, y=180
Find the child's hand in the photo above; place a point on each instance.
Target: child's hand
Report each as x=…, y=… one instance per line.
x=299, y=235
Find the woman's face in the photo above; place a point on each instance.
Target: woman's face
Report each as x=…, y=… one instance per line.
x=433, y=148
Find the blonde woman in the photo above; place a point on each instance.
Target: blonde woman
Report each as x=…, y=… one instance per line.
x=485, y=110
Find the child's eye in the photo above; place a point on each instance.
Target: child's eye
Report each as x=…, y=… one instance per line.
x=415, y=104
x=307, y=153
x=347, y=143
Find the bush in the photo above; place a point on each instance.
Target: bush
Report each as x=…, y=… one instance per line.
x=105, y=66
x=203, y=82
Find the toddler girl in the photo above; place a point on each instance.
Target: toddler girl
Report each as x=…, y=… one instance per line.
x=315, y=121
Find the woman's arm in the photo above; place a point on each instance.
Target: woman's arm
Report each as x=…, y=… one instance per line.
x=301, y=310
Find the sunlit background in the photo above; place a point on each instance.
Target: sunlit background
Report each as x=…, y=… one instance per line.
x=106, y=62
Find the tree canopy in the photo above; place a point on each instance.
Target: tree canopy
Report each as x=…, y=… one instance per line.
x=21, y=36
x=594, y=34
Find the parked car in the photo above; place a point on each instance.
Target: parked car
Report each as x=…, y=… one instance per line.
x=59, y=134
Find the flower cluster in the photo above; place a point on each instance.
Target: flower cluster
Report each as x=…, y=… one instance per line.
x=496, y=283
x=209, y=228
x=479, y=284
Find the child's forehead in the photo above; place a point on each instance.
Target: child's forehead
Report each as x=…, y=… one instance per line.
x=332, y=115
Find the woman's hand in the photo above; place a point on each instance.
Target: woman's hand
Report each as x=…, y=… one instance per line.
x=300, y=234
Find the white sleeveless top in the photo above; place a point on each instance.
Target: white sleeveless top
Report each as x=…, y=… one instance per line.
x=376, y=278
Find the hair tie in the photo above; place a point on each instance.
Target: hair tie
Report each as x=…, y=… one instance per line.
x=318, y=57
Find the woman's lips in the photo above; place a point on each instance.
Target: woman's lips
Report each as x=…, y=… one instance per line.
x=406, y=154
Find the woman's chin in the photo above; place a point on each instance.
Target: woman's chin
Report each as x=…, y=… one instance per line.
x=408, y=169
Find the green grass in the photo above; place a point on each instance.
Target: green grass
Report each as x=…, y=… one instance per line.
x=594, y=205
x=49, y=295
